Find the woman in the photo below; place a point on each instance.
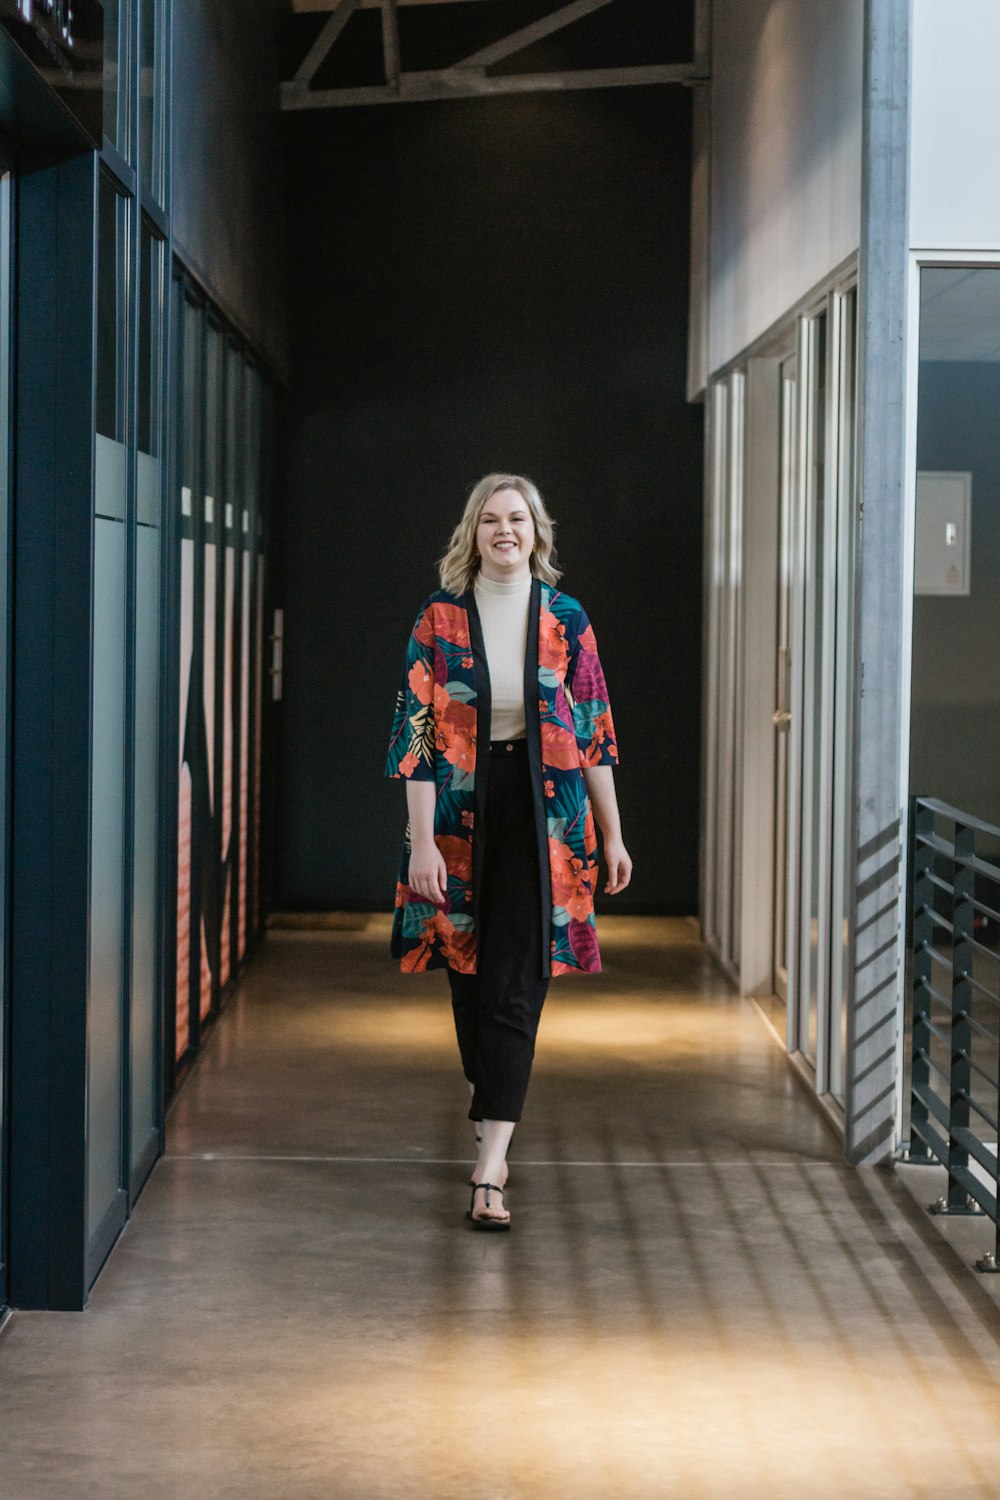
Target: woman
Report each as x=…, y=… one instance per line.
x=503, y=732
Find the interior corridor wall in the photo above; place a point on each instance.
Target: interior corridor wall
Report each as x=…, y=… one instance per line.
x=227, y=215
x=486, y=284
x=785, y=159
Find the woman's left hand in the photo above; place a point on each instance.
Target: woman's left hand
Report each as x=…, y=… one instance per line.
x=619, y=863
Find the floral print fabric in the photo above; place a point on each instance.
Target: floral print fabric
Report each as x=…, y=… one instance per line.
x=434, y=738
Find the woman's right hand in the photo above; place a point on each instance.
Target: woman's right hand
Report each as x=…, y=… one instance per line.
x=428, y=875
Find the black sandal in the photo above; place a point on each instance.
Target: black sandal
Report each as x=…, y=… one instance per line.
x=484, y=1221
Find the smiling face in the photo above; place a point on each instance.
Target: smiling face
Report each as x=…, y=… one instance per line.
x=505, y=536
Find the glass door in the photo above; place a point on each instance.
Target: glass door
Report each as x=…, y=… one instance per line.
x=7, y=203
x=817, y=762
x=787, y=437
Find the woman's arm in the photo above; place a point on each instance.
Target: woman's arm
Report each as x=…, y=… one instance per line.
x=428, y=875
x=601, y=790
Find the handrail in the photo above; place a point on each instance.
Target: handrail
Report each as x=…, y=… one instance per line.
x=950, y=872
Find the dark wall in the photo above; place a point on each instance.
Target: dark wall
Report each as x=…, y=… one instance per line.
x=955, y=713
x=227, y=209
x=486, y=284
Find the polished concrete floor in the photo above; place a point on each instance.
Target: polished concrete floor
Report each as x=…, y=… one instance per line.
x=697, y=1299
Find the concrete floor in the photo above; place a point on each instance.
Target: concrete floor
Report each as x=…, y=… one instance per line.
x=697, y=1299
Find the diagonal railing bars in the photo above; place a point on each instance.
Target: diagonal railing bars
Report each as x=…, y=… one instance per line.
x=955, y=957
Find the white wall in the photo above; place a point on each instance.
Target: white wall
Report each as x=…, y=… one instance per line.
x=785, y=158
x=955, y=119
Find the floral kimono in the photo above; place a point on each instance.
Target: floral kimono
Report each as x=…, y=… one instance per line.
x=442, y=713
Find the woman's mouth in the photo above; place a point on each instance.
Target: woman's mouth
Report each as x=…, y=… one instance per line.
x=504, y=546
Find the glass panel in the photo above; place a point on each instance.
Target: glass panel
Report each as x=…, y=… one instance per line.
x=955, y=672
x=714, y=892
x=813, y=697
x=116, y=74
x=105, y=1030
x=145, y=1069
x=6, y=325
x=151, y=268
x=843, y=694
x=145, y=1058
x=211, y=637
x=151, y=133
x=734, y=823
x=112, y=321
x=252, y=672
x=788, y=420
x=235, y=444
x=192, y=328
x=955, y=700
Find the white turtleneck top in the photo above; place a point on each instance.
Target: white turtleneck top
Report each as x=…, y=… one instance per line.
x=503, y=609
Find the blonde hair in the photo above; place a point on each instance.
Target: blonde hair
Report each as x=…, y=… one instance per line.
x=461, y=560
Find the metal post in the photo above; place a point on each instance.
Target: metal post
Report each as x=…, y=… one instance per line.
x=921, y=861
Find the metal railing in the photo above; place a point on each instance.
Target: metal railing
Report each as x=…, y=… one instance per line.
x=955, y=955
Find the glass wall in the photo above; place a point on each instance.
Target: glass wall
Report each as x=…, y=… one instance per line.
x=722, y=867
x=6, y=421
x=955, y=682
x=220, y=456
x=793, y=747
x=954, y=753
x=124, y=1092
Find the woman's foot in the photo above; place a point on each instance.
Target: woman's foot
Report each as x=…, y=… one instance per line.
x=476, y=1175
x=487, y=1210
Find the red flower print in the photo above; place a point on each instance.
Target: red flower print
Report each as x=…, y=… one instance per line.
x=568, y=888
x=466, y=661
x=552, y=649
x=408, y=764
x=550, y=790
x=421, y=682
x=603, y=730
x=468, y=818
x=451, y=623
x=559, y=747
x=424, y=631
x=455, y=725
x=457, y=855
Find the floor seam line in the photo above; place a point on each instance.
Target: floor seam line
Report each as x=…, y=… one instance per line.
x=455, y=1161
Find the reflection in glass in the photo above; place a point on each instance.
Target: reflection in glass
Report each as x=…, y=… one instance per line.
x=955, y=699
x=112, y=225
x=115, y=114
x=150, y=99
x=150, y=308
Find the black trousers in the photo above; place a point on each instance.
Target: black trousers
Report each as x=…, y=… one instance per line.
x=497, y=1009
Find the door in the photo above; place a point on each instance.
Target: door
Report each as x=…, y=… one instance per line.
x=816, y=764
x=787, y=439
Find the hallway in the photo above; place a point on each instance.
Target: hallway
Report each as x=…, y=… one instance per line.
x=698, y=1297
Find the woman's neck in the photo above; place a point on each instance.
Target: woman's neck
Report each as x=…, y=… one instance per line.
x=519, y=584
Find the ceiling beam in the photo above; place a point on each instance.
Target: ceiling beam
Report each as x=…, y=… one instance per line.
x=468, y=83
x=390, y=43
x=328, y=34
x=517, y=40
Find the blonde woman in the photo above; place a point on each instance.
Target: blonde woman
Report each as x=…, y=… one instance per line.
x=504, y=735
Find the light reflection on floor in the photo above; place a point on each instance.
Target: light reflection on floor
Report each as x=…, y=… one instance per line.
x=699, y=1299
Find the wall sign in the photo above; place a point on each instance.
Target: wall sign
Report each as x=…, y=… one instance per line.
x=64, y=39
x=943, y=533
